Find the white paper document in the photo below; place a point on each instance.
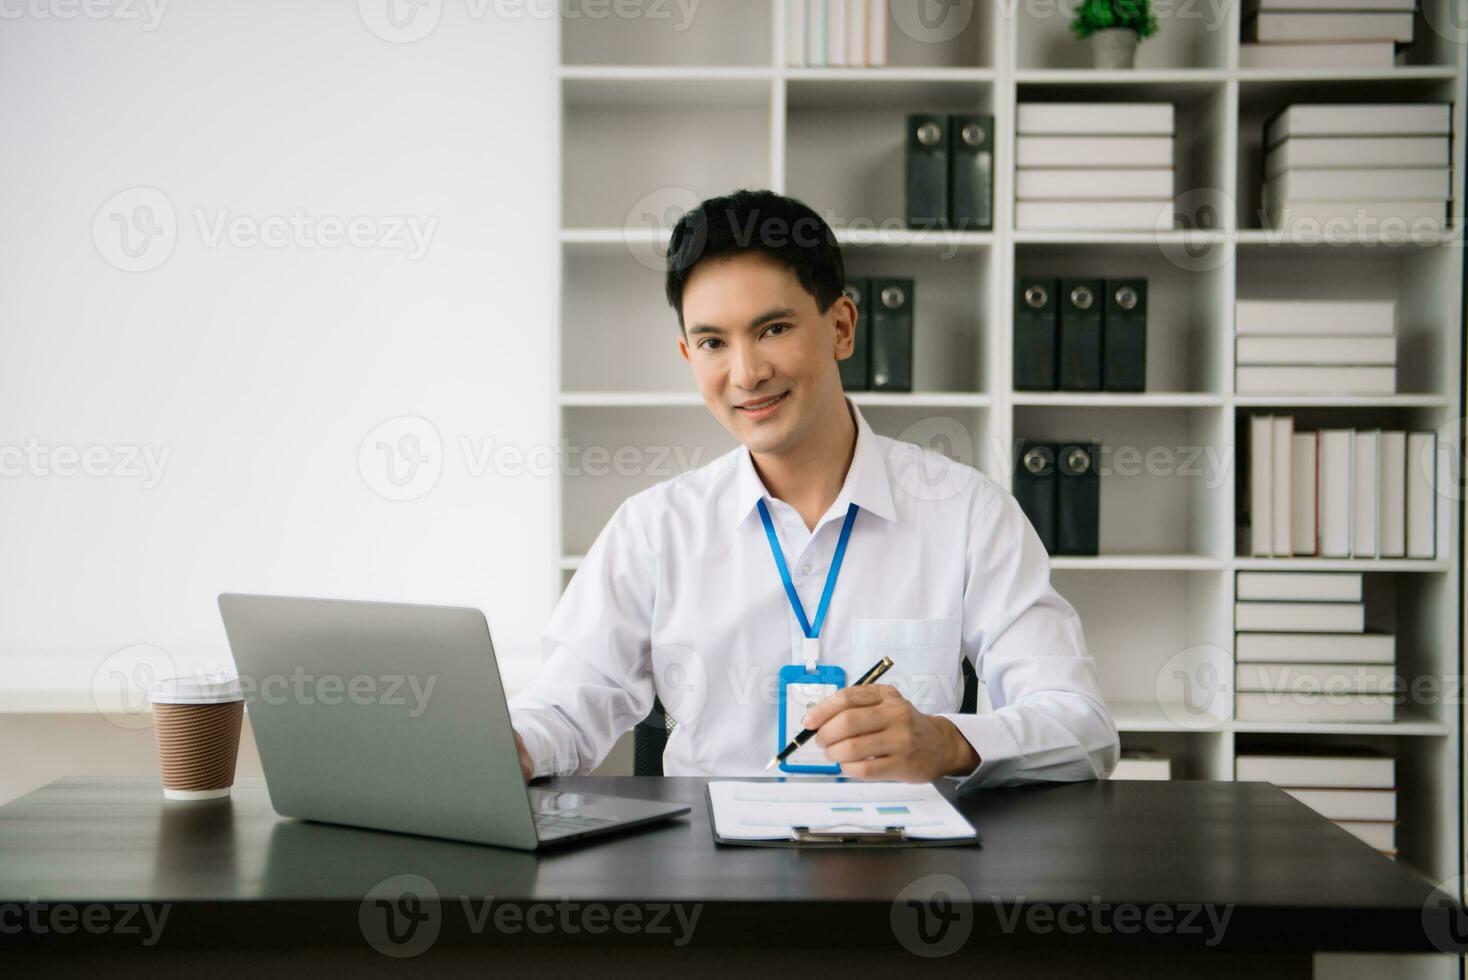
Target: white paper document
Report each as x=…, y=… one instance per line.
x=767, y=810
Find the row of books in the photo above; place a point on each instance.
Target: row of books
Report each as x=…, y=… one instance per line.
x=1324, y=33
x=1090, y=165
x=949, y=171
x=1080, y=334
x=1354, y=788
x=1294, y=658
x=1304, y=181
x=836, y=33
x=1308, y=347
x=1341, y=493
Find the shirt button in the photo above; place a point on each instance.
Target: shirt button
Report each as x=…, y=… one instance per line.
x=805, y=569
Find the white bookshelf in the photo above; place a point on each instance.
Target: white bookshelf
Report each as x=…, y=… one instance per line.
x=646, y=111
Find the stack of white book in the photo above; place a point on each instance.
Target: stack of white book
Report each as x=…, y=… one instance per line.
x=1355, y=788
x=1341, y=493
x=1378, y=166
x=1337, y=34
x=1094, y=165
x=1142, y=764
x=836, y=33
x=1302, y=653
x=1308, y=347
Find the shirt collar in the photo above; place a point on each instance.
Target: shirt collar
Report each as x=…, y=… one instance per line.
x=867, y=483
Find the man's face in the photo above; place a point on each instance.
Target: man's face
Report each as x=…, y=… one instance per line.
x=763, y=355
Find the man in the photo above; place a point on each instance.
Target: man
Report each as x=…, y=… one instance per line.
x=683, y=595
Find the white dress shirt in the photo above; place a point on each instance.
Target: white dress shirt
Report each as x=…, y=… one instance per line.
x=680, y=597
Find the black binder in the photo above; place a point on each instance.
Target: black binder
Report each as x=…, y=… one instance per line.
x=1078, y=500
x=971, y=172
x=891, y=350
x=1080, y=334
x=927, y=170
x=855, y=368
x=1036, y=319
x=1035, y=489
x=1124, y=340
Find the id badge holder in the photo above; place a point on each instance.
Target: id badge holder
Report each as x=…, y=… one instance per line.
x=800, y=688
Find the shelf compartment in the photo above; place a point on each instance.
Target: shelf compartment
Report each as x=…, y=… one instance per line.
x=640, y=165
x=1163, y=490
x=713, y=32
x=1420, y=281
x=1186, y=320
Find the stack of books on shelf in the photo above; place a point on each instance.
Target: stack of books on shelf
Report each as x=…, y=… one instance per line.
x=1304, y=347
x=1338, y=34
x=1142, y=764
x=1302, y=653
x=1094, y=166
x=1341, y=493
x=835, y=33
x=1355, y=788
x=1362, y=166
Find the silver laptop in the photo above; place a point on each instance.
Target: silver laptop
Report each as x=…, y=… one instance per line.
x=393, y=717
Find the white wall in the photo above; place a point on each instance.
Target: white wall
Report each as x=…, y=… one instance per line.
x=261, y=370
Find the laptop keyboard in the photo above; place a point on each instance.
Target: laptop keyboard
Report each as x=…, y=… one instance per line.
x=558, y=823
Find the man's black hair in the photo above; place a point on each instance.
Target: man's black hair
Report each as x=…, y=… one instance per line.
x=757, y=221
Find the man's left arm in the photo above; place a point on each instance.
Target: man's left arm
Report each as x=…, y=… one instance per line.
x=1049, y=723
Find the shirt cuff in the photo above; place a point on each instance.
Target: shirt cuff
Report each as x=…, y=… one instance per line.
x=540, y=745
x=999, y=754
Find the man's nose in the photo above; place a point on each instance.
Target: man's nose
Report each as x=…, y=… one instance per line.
x=750, y=368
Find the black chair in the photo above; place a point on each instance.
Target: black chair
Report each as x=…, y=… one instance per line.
x=651, y=734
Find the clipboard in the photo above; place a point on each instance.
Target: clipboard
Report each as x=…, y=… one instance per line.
x=825, y=838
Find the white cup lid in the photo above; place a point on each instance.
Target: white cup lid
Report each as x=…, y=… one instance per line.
x=205, y=687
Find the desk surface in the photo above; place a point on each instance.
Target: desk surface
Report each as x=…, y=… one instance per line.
x=1285, y=878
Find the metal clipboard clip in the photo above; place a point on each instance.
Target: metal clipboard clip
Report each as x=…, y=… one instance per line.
x=887, y=835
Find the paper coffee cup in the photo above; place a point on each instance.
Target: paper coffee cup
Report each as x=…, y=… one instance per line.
x=196, y=720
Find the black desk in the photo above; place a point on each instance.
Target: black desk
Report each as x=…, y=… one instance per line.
x=1101, y=879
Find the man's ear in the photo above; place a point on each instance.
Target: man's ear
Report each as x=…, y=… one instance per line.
x=683, y=344
x=843, y=316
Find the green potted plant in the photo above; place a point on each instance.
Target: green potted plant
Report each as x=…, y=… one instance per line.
x=1114, y=28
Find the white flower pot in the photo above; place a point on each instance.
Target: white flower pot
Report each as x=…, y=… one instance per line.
x=1115, y=47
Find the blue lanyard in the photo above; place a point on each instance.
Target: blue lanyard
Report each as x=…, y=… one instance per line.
x=811, y=632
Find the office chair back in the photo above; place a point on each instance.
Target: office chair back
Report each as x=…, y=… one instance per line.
x=650, y=736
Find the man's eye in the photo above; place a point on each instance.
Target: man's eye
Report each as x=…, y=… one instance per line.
x=706, y=342
x=775, y=329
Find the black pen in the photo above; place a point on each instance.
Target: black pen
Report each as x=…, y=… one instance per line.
x=870, y=677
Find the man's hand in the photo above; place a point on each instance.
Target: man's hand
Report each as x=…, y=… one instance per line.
x=527, y=765
x=875, y=733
